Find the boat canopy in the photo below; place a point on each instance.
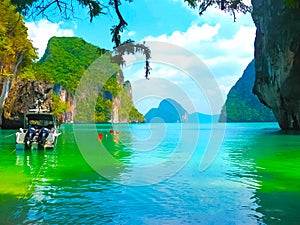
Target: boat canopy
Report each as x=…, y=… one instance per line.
x=40, y=119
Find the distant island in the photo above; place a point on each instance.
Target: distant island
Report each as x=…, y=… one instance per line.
x=170, y=111
x=242, y=105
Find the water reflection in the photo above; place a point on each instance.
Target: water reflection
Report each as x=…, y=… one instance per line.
x=36, y=162
x=255, y=180
x=21, y=174
x=268, y=163
x=50, y=186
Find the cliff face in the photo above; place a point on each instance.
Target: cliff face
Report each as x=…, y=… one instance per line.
x=64, y=63
x=242, y=105
x=277, y=55
x=22, y=97
x=4, y=89
x=69, y=101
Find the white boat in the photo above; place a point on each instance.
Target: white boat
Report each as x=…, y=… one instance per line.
x=40, y=131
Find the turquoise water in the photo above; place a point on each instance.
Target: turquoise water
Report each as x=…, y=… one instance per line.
x=149, y=176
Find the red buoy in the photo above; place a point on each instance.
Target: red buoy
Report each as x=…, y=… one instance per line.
x=100, y=137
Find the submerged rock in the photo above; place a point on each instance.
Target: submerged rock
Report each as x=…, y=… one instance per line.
x=277, y=55
x=24, y=95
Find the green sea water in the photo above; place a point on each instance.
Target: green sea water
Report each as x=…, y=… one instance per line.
x=254, y=178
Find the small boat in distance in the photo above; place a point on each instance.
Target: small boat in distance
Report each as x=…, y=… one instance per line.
x=40, y=131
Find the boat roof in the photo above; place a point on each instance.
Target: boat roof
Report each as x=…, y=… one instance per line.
x=40, y=116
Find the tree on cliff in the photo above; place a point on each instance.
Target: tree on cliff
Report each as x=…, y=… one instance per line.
x=16, y=51
x=277, y=54
x=277, y=46
x=232, y=6
x=66, y=8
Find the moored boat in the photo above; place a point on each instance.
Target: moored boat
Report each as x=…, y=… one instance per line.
x=40, y=131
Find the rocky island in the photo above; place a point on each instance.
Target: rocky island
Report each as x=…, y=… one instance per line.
x=277, y=59
x=53, y=81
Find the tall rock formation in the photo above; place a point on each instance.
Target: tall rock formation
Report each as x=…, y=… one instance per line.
x=71, y=61
x=168, y=111
x=64, y=64
x=242, y=105
x=277, y=55
x=25, y=95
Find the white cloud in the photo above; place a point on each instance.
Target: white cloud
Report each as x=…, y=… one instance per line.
x=214, y=50
x=131, y=33
x=196, y=92
x=194, y=34
x=225, y=47
x=41, y=31
x=241, y=44
x=224, y=56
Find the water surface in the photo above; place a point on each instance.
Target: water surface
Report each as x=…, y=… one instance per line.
x=255, y=178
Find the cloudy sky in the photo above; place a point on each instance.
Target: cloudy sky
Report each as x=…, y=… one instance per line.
x=215, y=41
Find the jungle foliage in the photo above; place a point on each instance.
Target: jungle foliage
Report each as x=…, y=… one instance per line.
x=16, y=51
x=242, y=105
x=64, y=63
x=70, y=62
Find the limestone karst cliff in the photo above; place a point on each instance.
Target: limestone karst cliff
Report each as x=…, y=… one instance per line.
x=242, y=105
x=277, y=55
x=168, y=111
x=25, y=95
x=54, y=81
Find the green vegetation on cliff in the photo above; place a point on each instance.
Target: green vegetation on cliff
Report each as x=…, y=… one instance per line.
x=242, y=105
x=16, y=52
x=67, y=60
x=58, y=106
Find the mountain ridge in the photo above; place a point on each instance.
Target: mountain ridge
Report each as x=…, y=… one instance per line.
x=170, y=111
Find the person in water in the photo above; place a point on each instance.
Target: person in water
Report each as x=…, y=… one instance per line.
x=148, y=68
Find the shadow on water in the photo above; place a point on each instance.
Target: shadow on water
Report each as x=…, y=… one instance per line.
x=268, y=162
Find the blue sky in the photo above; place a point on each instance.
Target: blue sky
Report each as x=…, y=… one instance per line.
x=224, y=46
